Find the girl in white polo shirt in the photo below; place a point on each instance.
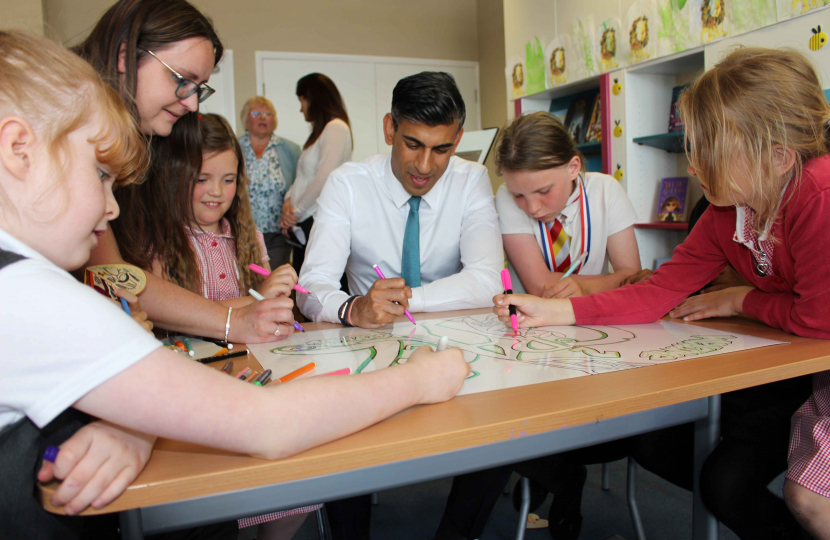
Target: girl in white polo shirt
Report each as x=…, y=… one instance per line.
x=551, y=212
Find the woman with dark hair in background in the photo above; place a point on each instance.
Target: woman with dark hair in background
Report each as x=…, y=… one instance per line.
x=159, y=55
x=329, y=146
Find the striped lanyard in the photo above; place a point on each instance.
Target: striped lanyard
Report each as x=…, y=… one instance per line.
x=585, y=224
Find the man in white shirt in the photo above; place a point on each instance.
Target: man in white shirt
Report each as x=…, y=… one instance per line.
x=420, y=213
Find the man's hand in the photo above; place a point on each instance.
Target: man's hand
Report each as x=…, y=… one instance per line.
x=723, y=303
x=96, y=465
x=385, y=302
x=564, y=288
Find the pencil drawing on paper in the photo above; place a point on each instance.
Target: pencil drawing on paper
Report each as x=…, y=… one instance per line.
x=499, y=361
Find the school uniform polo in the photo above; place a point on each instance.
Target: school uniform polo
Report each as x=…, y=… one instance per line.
x=216, y=257
x=610, y=212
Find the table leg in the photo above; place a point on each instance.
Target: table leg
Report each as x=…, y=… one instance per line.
x=130, y=522
x=707, y=436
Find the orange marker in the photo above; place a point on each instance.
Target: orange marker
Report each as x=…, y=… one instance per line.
x=252, y=377
x=223, y=351
x=294, y=374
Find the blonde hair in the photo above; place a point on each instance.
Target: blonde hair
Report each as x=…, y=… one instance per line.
x=56, y=92
x=253, y=102
x=753, y=101
x=535, y=142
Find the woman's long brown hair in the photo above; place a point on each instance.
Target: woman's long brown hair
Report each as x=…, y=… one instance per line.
x=324, y=104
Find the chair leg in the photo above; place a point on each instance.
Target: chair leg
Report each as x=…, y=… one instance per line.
x=632, y=500
x=524, y=484
x=322, y=523
x=606, y=477
x=375, y=501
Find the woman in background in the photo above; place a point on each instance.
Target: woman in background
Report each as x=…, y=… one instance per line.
x=329, y=146
x=271, y=165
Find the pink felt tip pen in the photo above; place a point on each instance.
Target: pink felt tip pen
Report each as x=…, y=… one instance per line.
x=263, y=272
x=344, y=371
x=381, y=276
x=508, y=289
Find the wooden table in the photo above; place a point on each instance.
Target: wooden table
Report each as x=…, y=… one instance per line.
x=185, y=485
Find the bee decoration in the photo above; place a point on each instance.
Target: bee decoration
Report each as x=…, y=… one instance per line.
x=618, y=174
x=818, y=40
x=617, y=129
x=617, y=88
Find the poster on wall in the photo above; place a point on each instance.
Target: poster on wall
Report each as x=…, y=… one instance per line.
x=711, y=19
x=606, y=39
x=641, y=27
x=584, y=63
x=749, y=15
x=534, y=67
x=677, y=30
x=793, y=8
x=557, y=61
x=515, y=75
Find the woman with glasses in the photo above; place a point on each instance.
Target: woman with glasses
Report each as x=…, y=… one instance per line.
x=328, y=146
x=271, y=164
x=159, y=55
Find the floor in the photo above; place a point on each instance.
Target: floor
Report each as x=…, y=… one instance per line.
x=412, y=512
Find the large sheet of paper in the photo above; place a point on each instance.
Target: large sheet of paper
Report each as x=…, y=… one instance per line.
x=497, y=361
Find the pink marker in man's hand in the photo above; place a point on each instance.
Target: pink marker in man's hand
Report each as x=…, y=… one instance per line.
x=263, y=272
x=508, y=289
x=406, y=311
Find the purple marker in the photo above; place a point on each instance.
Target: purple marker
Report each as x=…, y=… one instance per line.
x=406, y=311
x=51, y=453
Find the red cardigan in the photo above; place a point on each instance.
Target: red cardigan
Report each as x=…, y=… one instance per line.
x=796, y=298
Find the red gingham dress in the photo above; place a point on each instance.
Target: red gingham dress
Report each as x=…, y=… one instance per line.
x=809, y=459
x=220, y=281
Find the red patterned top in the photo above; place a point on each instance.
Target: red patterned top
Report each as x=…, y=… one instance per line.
x=216, y=258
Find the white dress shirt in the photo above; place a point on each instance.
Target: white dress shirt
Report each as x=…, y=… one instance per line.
x=361, y=220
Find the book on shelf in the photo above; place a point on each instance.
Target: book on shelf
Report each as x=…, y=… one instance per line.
x=577, y=119
x=675, y=121
x=593, y=134
x=671, y=201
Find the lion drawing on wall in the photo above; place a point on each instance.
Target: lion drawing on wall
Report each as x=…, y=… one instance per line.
x=638, y=39
x=608, y=49
x=712, y=14
x=518, y=79
x=806, y=5
x=558, y=65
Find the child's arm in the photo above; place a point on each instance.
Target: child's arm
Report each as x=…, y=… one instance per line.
x=96, y=465
x=175, y=308
x=624, y=256
x=526, y=257
x=220, y=411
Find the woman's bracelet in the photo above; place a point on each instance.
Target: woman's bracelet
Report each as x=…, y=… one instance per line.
x=228, y=324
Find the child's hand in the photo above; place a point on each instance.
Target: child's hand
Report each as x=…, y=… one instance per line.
x=726, y=279
x=533, y=311
x=723, y=303
x=280, y=283
x=442, y=373
x=135, y=308
x=564, y=288
x=96, y=465
x=637, y=277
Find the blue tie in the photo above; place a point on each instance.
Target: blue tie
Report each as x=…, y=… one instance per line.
x=411, y=257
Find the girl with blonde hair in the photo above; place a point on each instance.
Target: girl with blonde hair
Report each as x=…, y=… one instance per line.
x=757, y=138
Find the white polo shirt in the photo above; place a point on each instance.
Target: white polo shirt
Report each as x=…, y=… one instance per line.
x=60, y=338
x=611, y=211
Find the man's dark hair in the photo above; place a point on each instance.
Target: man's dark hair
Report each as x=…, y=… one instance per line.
x=430, y=97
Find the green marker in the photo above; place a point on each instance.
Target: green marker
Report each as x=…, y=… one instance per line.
x=189, y=347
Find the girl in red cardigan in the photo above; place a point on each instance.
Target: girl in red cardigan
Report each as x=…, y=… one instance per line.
x=756, y=133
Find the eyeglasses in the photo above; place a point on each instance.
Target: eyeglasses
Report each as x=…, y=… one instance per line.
x=186, y=87
x=256, y=114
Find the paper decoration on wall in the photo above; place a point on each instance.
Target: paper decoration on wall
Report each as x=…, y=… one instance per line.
x=618, y=174
x=534, y=67
x=749, y=15
x=641, y=27
x=618, y=131
x=792, y=8
x=584, y=64
x=606, y=39
x=515, y=74
x=616, y=88
x=558, y=61
x=818, y=40
x=677, y=31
